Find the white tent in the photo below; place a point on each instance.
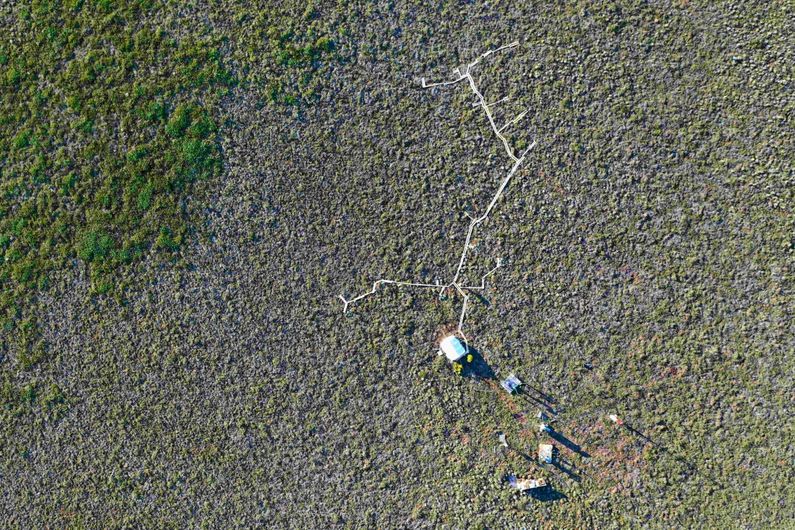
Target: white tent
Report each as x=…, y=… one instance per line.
x=452, y=348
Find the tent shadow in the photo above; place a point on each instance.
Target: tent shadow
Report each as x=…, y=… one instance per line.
x=547, y=494
x=478, y=368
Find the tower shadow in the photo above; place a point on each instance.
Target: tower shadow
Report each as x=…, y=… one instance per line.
x=536, y=402
x=676, y=456
x=540, y=395
x=527, y=456
x=566, y=467
x=567, y=443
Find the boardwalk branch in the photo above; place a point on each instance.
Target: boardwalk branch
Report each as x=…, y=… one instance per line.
x=465, y=74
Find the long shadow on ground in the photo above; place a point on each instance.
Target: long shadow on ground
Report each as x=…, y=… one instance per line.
x=567, y=468
x=678, y=457
x=568, y=444
x=536, y=402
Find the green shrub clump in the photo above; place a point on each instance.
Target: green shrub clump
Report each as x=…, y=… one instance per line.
x=458, y=368
x=97, y=163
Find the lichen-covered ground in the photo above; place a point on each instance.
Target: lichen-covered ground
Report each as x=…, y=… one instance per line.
x=186, y=188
